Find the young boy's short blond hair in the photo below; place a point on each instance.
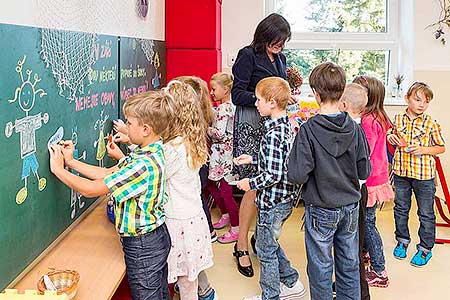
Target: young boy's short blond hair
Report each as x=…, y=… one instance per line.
x=355, y=95
x=422, y=87
x=275, y=88
x=153, y=108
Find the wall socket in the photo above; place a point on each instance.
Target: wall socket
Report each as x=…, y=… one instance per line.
x=231, y=58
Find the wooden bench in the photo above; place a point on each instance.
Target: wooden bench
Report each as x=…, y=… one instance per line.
x=93, y=249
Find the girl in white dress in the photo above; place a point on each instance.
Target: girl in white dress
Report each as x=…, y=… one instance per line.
x=185, y=151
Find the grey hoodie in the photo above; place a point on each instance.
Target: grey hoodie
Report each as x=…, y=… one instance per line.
x=329, y=157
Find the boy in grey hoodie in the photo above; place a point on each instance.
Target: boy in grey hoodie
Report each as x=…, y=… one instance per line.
x=329, y=157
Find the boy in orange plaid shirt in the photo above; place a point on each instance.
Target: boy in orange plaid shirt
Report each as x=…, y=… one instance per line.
x=419, y=139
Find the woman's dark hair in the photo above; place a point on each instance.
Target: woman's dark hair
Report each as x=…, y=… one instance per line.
x=270, y=31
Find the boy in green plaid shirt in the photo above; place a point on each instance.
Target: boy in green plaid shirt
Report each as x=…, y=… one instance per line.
x=137, y=186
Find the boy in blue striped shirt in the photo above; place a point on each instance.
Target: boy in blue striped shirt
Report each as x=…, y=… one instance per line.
x=275, y=195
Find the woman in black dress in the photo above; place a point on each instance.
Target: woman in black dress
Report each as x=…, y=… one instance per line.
x=261, y=59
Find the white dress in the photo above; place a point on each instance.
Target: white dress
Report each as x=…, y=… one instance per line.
x=191, y=250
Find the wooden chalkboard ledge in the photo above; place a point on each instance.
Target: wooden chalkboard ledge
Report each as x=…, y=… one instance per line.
x=93, y=249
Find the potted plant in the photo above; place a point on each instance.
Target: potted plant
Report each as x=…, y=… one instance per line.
x=398, y=82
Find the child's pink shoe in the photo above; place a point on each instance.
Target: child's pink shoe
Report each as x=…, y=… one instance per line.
x=228, y=237
x=223, y=221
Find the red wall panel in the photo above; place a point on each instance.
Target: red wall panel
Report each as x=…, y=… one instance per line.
x=201, y=63
x=193, y=24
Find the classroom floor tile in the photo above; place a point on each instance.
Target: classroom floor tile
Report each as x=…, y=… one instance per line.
x=406, y=281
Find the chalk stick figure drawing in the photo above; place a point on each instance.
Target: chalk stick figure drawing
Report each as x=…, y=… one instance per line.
x=100, y=143
x=26, y=127
x=76, y=197
x=156, y=80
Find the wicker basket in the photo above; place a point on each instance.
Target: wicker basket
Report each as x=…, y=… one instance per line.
x=65, y=281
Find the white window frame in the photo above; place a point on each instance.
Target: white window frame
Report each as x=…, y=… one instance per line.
x=387, y=41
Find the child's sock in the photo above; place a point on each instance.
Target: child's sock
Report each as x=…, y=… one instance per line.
x=235, y=229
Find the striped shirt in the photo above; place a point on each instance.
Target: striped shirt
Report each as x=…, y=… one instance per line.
x=139, y=191
x=422, y=131
x=272, y=183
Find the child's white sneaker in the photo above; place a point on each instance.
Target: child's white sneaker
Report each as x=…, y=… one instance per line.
x=257, y=297
x=292, y=293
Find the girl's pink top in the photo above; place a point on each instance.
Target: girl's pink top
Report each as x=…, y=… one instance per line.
x=376, y=137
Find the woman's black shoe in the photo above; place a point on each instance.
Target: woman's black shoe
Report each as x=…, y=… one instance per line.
x=246, y=271
x=253, y=243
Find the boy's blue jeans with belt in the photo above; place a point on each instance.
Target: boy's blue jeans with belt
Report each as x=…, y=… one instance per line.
x=146, y=261
x=275, y=266
x=424, y=191
x=326, y=228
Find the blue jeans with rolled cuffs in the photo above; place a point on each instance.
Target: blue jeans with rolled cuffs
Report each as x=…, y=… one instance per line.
x=275, y=266
x=373, y=241
x=146, y=262
x=424, y=191
x=325, y=229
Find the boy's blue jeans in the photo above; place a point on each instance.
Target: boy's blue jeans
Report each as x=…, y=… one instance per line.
x=372, y=240
x=146, y=261
x=275, y=266
x=424, y=191
x=326, y=228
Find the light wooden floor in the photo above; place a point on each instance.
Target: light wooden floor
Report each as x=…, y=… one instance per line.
x=407, y=282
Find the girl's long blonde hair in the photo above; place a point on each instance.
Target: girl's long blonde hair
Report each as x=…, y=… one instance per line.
x=201, y=88
x=187, y=122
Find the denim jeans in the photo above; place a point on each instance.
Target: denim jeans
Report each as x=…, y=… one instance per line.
x=373, y=241
x=146, y=262
x=275, y=266
x=424, y=191
x=326, y=228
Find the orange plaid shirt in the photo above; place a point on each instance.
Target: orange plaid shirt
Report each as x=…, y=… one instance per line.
x=422, y=131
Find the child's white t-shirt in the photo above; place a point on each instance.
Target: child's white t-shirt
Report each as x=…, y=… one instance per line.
x=182, y=182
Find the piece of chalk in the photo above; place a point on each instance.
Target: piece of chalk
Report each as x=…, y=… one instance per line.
x=234, y=182
x=111, y=142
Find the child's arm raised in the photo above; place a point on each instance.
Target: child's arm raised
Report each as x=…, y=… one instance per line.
x=87, y=188
x=90, y=171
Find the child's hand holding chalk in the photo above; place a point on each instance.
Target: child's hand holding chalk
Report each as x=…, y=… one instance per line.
x=121, y=138
x=113, y=151
x=67, y=149
x=119, y=126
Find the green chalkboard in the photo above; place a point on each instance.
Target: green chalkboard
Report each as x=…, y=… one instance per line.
x=142, y=66
x=35, y=106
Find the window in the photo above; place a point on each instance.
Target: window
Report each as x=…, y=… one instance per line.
x=359, y=35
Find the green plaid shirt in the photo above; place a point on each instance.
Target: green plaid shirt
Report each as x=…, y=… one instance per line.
x=139, y=191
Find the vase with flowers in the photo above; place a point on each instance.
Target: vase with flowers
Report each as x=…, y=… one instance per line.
x=398, y=85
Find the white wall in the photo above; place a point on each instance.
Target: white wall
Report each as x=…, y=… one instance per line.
x=430, y=54
x=239, y=20
x=114, y=17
